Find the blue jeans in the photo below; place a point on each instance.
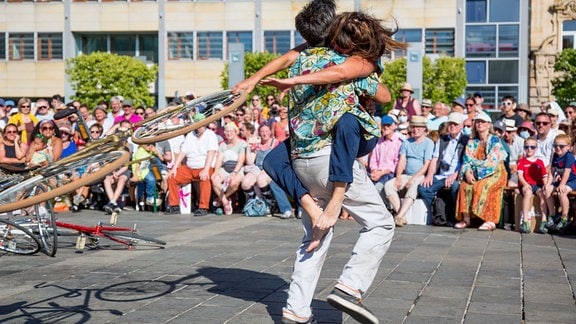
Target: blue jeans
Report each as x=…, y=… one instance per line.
x=429, y=193
x=348, y=144
x=148, y=185
x=281, y=198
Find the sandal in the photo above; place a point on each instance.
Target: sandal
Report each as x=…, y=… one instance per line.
x=461, y=225
x=487, y=226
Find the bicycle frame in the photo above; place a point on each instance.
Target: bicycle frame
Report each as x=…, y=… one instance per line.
x=96, y=231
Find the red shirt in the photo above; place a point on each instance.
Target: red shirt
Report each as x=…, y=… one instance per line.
x=533, y=172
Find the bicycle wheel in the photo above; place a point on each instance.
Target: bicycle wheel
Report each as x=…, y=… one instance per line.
x=57, y=181
x=133, y=238
x=17, y=239
x=213, y=106
x=46, y=220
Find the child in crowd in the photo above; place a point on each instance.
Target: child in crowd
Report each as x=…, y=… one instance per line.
x=563, y=180
x=532, y=175
x=38, y=155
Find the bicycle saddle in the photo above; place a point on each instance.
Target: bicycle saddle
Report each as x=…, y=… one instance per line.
x=65, y=113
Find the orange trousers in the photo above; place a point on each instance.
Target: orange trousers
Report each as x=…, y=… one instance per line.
x=184, y=176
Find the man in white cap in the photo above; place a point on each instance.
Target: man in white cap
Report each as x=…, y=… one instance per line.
x=427, y=109
x=516, y=145
x=443, y=171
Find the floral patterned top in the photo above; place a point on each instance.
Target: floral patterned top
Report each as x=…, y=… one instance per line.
x=316, y=109
x=483, y=165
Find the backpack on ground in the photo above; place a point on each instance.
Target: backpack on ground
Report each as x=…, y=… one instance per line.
x=255, y=207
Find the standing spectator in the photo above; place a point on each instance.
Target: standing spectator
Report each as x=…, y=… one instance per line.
x=116, y=107
x=42, y=110
x=384, y=158
x=445, y=166
x=24, y=120
x=129, y=115
x=480, y=194
x=524, y=111
x=441, y=112
x=415, y=156
x=407, y=102
x=199, y=149
x=508, y=108
x=228, y=172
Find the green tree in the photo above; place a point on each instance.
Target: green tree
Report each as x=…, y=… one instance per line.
x=100, y=76
x=252, y=63
x=564, y=85
x=443, y=79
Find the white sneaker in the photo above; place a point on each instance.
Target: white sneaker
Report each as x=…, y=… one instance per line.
x=150, y=202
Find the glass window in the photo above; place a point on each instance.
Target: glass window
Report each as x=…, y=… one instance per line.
x=407, y=36
x=2, y=46
x=50, y=46
x=21, y=46
x=210, y=45
x=488, y=93
x=567, y=41
x=507, y=91
x=481, y=41
x=505, y=10
x=505, y=71
x=244, y=37
x=123, y=44
x=569, y=25
x=148, y=47
x=440, y=41
x=180, y=46
x=476, y=71
x=94, y=43
x=508, y=39
x=298, y=39
x=277, y=41
x=476, y=11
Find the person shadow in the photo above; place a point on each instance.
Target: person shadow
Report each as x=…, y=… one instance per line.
x=264, y=288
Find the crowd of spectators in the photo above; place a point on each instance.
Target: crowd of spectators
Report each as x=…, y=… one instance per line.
x=456, y=157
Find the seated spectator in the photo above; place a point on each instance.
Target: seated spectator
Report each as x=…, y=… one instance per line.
x=515, y=144
x=484, y=174
x=101, y=118
x=96, y=131
x=12, y=150
x=562, y=181
x=144, y=177
x=199, y=149
x=114, y=185
x=526, y=130
x=38, y=155
x=228, y=172
x=415, y=155
x=256, y=178
x=68, y=145
x=445, y=167
x=280, y=129
x=129, y=113
x=384, y=158
x=532, y=175
x=51, y=134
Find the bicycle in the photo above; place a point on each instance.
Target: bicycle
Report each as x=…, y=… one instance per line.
x=17, y=239
x=214, y=106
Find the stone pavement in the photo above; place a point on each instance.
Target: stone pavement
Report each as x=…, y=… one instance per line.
x=235, y=269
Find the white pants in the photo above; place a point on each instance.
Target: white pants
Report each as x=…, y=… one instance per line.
x=365, y=205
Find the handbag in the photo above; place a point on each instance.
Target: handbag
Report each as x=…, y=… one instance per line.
x=255, y=207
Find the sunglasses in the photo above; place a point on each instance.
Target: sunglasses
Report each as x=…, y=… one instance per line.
x=507, y=103
x=42, y=107
x=213, y=128
x=47, y=128
x=239, y=114
x=541, y=123
x=11, y=132
x=95, y=132
x=25, y=106
x=140, y=114
x=560, y=146
x=530, y=147
x=469, y=105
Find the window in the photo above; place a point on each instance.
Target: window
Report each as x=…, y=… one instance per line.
x=21, y=46
x=49, y=46
x=504, y=10
x=180, y=46
x=481, y=41
x=503, y=71
x=440, y=41
x=476, y=72
x=2, y=46
x=93, y=43
x=277, y=42
x=298, y=39
x=148, y=47
x=144, y=46
x=508, y=39
x=407, y=36
x=210, y=45
x=568, y=33
x=123, y=44
x=475, y=11
x=244, y=37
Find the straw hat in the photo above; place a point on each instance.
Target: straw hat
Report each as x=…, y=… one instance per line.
x=407, y=86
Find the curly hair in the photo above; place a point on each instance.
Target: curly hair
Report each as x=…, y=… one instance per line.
x=358, y=33
x=314, y=20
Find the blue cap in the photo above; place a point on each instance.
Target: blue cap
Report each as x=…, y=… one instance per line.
x=387, y=120
x=1, y=102
x=460, y=102
x=9, y=103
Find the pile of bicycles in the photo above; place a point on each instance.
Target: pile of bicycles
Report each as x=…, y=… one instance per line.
x=27, y=220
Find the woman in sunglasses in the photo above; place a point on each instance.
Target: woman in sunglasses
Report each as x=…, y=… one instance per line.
x=12, y=150
x=50, y=132
x=24, y=119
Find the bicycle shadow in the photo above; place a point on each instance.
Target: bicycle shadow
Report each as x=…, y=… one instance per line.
x=260, y=287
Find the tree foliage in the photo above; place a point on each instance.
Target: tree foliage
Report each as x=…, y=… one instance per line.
x=100, y=76
x=443, y=79
x=252, y=63
x=564, y=85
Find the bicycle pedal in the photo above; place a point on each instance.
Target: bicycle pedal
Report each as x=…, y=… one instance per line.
x=113, y=218
x=80, y=243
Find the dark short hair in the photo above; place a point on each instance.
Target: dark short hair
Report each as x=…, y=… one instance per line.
x=314, y=20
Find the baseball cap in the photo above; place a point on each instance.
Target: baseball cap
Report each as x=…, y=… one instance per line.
x=499, y=125
x=127, y=102
x=456, y=118
x=9, y=103
x=387, y=120
x=484, y=116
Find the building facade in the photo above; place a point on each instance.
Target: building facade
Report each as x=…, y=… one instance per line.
x=509, y=45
